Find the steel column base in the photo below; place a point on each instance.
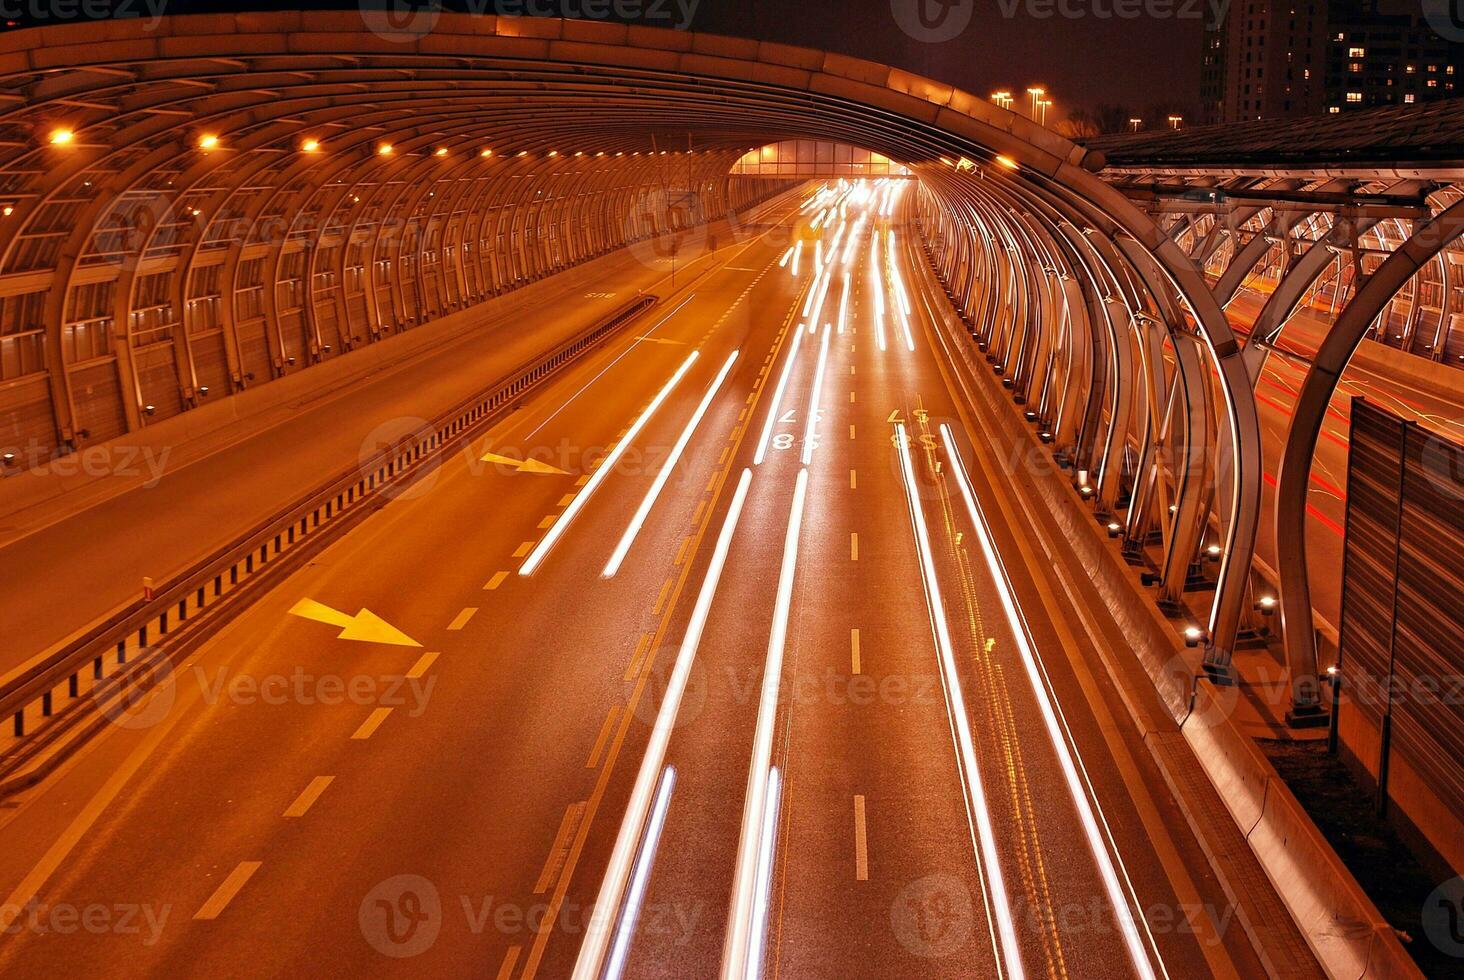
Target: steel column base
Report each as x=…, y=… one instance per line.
x=1217, y=671
x=1307, y=716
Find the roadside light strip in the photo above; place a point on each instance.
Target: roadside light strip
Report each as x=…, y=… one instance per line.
x=640, y=878
x=810, y=427
x=649, y=501
x=597, y=933
x=960, y=720
x=536, y=557
x=738, y=955
x=844, y=303
x=767, y=432
x=1122, y=909
x=763, y=891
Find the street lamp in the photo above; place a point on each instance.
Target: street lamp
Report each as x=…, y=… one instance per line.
x=1043, y=104
x=1175, y=122
x=1036, y=92
x=1134, y=124
x=1002, y=98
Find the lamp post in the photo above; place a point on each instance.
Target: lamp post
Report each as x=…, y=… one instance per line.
x=1036, y=92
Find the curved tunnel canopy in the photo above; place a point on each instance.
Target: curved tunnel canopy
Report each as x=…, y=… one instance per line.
x=205, y=203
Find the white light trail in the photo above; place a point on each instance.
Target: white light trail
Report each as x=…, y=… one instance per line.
x=854, y=239
x=797, y=255
x=1122, y=910
x=541, y=550
x=822, y=290
x=737, y=955
x=597, y=932
x=783, y=262
x=844, y=304
x=767, y=433
x=810, y=427
x=644, y=510
x=763, y=889
x=877, y=287
x=640, y=878
x=960, y=719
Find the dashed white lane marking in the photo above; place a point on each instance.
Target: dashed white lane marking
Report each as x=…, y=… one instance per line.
x=308, y=796
x=225, y=893
x=373, y=721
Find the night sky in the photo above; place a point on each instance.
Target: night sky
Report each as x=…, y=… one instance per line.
x=1080, y=49
x=1084, y=61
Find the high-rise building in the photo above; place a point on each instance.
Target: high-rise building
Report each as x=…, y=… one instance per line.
x=1269, y=60
x=1376, y=58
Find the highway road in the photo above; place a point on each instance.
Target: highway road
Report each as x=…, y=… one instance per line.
x=754, y=672
x=1275, y=397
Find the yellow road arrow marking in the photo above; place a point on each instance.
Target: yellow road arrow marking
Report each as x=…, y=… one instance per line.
x=524, y=465
x=365, y=626
x=660, y=340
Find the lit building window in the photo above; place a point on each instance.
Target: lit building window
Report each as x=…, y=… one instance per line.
x=1410, y=69
x=1356, y=52
x=1354, y=96
x=1334, y=109
x=1409, y=98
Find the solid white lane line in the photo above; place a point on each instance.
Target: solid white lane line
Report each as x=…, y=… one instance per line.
x=810, y=426
x=776, y=407
x=641, y=877
x=990, y=857
x=1122, y=909
x=649, y=501
x=639, y=340
x=612, y=888
x=226, y=891
x=607, y=465
x=861, y=842
x=763, y=893
x=308, y=796
x=740, y=937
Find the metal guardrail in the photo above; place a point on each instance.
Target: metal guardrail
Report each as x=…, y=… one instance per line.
x=94, y=663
